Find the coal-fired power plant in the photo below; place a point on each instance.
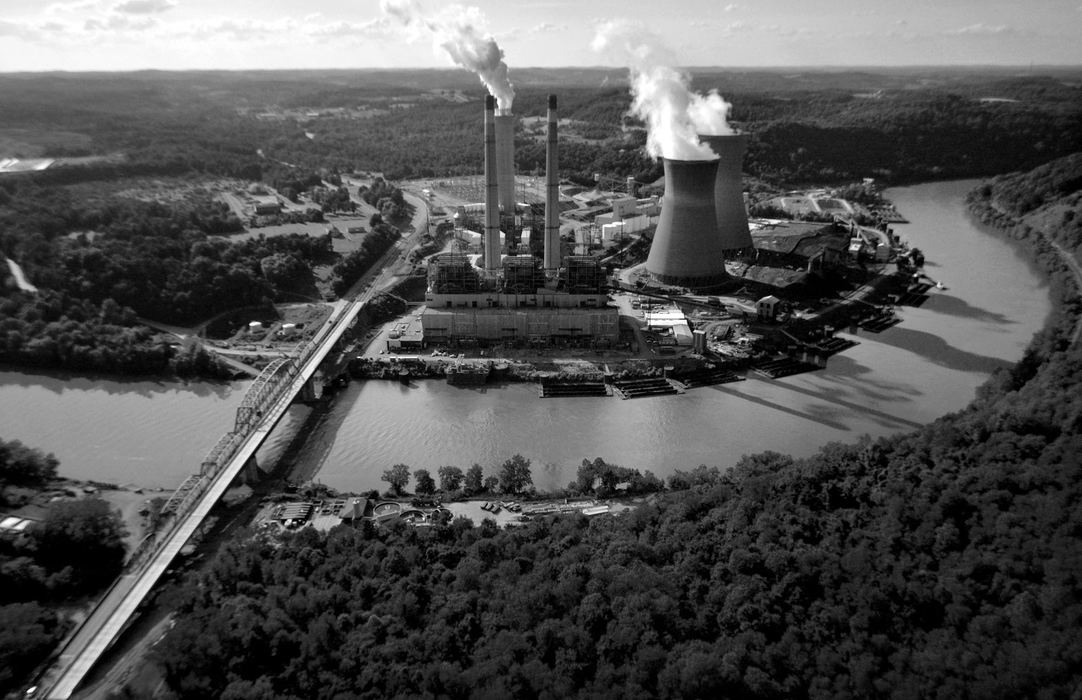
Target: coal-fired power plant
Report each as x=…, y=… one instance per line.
x=728, y=192
x=505, y=160
x=552, y=191
x=491, y=245
x=687, y=249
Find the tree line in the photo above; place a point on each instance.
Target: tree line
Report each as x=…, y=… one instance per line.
x=74, y=550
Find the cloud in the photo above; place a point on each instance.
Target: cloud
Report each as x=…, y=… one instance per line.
x=546, y=27
x=981, y=29
x=144, y=7
x=120, y=23
x=17, y=30
x=730, y=7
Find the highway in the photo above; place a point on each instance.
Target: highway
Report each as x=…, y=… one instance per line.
x=121, y=601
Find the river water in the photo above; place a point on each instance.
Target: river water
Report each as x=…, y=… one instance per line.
x=149, y=433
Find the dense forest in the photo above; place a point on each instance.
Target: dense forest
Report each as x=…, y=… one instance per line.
x=74, y=551
x=822, y=127
x=940, y=563
x=100, y=264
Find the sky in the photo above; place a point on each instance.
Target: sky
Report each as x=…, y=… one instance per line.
x=81, y=35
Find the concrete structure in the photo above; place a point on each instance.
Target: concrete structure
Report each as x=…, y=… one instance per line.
x=729, y=191
x=153, y=557
x=492, y=214
x=687, y=249
x=552, y=191
x=505, y=160
x=597, y=327
x=805, y=244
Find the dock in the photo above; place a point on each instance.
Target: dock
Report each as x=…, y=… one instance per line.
x=549, y=390
x=648, y=386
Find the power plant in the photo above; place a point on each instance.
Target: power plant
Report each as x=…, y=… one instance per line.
x=558, y=299
x=518, y=299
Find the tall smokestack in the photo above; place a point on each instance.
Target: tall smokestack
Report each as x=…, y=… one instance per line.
x=728, y=191
x=552, y=191
x=687, y=249
x=505, y=160
x=492, y=214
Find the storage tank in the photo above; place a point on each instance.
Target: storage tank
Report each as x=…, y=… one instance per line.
x=729, y=191
x=687, y=249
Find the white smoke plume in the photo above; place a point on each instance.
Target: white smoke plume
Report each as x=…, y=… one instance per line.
x=459, y=32
x=661, y=96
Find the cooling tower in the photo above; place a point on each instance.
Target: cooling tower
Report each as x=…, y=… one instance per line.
x=505, y=160
x=552, y=192
x=728, y=191
x=492, y=212
x=687, y=250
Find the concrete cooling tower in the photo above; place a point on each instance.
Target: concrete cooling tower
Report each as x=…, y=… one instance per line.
x=687, y=250
x=728, y=190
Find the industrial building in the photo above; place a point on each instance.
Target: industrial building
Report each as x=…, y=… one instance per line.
x=517, y=300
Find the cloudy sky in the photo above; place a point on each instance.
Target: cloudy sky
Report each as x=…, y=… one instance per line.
x=236, y=34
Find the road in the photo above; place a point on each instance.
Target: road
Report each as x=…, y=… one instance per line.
x=121, y=601
x=126, y=594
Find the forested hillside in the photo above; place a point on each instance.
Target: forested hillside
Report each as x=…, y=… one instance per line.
x=942, y=563
x=822, y=127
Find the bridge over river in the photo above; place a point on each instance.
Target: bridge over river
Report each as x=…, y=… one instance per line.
x=265, y=403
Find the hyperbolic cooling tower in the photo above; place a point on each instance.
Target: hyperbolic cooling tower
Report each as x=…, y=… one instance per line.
x=505, y=160
x=552, y=192
x=687, y=250
x=492, y=214
x=728, y=191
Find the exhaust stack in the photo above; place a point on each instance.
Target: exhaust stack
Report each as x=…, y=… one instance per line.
x=491, y=245
x=505, y=160
x=729, y=192
x=552, y=191
x=687, y=249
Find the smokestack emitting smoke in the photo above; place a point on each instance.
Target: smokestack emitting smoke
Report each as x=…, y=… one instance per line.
x=552, y=191
x=491, y=240
x=661, y=97
x=459, y=32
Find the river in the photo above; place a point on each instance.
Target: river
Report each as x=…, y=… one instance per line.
x=894, y=381
x=156, y=433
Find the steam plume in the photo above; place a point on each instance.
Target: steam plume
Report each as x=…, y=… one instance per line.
x=459, y=31
x=661, y=96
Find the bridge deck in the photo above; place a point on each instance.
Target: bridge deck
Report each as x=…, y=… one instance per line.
x=110, y=616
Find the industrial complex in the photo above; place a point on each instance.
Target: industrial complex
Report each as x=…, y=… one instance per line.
x=560, y=274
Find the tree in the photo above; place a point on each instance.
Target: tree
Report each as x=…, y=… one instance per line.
x=25, y=466
x=450, y=478
x=474, y=481
x=426, y=485
x=397, y=476
x=514, y=474
x=491, y=484
x=28, y=633
x=84, y=536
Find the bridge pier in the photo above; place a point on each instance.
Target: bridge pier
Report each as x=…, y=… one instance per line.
x=307, y=394
x=251, y=473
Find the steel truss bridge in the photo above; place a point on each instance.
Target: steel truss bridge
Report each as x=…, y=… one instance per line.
x=263, y=406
